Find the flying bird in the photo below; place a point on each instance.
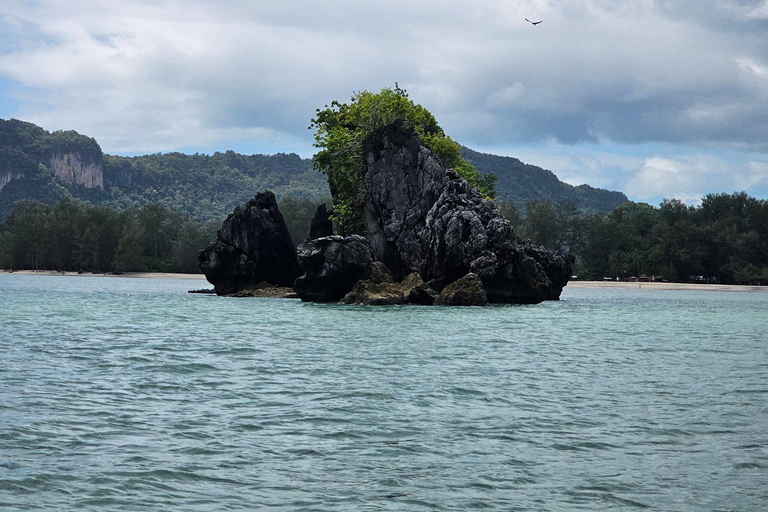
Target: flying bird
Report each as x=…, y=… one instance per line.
x=533, y=22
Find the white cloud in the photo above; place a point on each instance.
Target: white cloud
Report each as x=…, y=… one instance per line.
x=690, y=177
x=660, y=176
x=759, y=12
x=748, y=64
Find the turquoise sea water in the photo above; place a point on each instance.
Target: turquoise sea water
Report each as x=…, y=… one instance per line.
x=130, y=394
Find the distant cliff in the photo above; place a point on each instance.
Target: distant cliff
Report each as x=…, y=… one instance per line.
x=71, y=157
x=519, y=183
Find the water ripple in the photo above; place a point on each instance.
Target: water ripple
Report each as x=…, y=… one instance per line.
x=123, y=394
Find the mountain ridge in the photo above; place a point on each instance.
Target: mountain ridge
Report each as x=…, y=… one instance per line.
x=45, y=166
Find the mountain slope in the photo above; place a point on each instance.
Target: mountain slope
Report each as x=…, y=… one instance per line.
x=43, y=166
x=519, y=183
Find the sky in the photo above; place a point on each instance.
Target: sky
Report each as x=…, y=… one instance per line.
x=655, y=98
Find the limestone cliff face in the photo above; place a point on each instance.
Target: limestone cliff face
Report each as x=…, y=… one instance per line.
x=76, y=170
x=7, y=175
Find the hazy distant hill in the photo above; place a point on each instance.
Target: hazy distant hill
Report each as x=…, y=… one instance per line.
x=36, y=164
x=520, y=183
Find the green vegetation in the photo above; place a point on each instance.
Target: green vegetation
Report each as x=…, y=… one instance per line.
x=76, y=236
x=202, y=187
x=725, y=238
x=339, y=133
x=519, y=183
x=207, y=187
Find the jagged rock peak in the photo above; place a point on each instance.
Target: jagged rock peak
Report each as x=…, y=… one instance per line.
x=421, y=217
x=321, y=224
x=252, y=246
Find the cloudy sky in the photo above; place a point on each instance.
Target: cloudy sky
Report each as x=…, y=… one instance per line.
x=664, y=98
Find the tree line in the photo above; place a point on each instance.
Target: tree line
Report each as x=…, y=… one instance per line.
x=724, y=239
x=76, y=236
x=73, y=235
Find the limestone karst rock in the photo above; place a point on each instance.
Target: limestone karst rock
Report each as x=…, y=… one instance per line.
x=321, y=224
x=421, y=217
x=430, y=238
x=332, y=266
x=252, y=246
x=466, y=291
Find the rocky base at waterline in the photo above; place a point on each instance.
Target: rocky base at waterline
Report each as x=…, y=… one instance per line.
x=430, y=239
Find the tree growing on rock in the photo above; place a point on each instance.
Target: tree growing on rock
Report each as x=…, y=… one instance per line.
x=339, y=133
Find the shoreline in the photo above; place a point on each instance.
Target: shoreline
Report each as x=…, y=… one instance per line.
x=135, y=275
x=654, y=285
x=620, y=285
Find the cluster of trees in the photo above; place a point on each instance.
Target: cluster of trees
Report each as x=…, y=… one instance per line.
x=75, y=236
x=339, y=133
x=725, y=237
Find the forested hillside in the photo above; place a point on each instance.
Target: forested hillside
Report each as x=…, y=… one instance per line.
x=43, y=166
x=519, y=183
x=208, y=186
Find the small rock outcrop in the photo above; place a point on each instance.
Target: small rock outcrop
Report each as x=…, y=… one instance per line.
x=421, y=217
x=321, y=224
x=252, y=246
x=466, y=291
x=332, y=266
x=369, y=293
x=376, y=292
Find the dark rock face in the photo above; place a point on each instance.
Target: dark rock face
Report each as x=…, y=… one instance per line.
x=320, y=225
x=252, y=246
x=421, y=217
x=332, y=266
x=403, y=179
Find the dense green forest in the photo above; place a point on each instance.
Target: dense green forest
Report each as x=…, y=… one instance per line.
x=725, y=238
x=76, y=236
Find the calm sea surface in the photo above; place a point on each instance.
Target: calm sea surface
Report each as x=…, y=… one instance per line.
x=130, y=394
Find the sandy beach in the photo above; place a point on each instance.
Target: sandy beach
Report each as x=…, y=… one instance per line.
x=621, y=285
x=142, y=275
